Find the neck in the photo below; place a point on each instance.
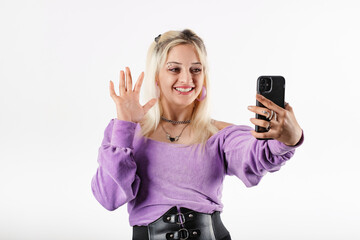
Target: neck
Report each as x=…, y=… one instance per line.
x=178, y=113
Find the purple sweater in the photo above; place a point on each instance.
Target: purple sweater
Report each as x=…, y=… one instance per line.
x=154, y=176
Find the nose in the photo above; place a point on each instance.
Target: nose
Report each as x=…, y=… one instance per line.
x=185, y=77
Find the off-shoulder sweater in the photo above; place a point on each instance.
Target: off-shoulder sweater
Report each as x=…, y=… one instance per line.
x=153, y=176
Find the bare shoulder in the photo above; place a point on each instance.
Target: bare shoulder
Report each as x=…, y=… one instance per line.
x=219, y=124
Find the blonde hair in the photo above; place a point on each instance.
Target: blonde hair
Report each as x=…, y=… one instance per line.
x=156, y=57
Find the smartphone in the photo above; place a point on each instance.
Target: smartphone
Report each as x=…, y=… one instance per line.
x=273, y=88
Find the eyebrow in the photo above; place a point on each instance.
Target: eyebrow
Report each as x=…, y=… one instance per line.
x=181, y=63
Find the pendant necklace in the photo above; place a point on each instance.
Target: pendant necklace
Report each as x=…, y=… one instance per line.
x=168, y=136
x=176, y=138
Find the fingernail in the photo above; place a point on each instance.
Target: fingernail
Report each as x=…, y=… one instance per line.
x=250, y=107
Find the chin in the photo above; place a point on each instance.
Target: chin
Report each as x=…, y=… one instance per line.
x=182, y=102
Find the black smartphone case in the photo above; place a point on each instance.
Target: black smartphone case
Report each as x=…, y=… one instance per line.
x=276, y=94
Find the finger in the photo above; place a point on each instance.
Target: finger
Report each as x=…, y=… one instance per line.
x=122, y=83
x=261, y=123
x=128, y=80
x=288, y=107
x=111, y=89
x=268, y=103
x=260, y=110
x=139, y=83
x=149, y=105
x=262, y=134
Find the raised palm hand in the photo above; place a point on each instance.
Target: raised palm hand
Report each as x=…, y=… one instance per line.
x=127, y=103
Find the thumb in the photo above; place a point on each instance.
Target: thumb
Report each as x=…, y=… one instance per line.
x=149, y=105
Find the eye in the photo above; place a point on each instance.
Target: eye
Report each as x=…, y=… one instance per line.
x=196, y=70
x=174, y=69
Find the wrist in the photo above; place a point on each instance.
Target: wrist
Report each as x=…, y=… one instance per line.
x=296, y=140
x=123, y=118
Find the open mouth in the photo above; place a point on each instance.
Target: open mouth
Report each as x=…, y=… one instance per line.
x=183, y=90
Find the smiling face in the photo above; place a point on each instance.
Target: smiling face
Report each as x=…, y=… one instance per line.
x=182, y=77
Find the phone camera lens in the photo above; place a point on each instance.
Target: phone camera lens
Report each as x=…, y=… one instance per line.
x=265, y=84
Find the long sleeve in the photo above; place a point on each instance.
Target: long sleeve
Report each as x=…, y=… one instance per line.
x=115, y=182
x=250, y=159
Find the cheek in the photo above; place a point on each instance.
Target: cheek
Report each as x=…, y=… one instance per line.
x=167, y=81
x=199, y=82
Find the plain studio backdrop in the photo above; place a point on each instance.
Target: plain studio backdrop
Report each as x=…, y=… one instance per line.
x=56, y=60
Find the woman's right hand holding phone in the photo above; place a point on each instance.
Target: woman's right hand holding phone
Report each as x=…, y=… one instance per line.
x=127, y=103
x=284, y=127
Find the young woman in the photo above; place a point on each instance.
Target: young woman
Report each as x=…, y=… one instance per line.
x=168, y=158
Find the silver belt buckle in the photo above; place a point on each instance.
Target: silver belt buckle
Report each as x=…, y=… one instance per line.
x=180, y=216
x=187, y=233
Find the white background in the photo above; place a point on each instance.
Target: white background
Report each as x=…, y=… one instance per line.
x=56, y=60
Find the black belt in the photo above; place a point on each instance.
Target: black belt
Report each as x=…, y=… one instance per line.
x=186, y=224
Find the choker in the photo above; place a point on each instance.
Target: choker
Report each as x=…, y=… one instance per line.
x=174, y=122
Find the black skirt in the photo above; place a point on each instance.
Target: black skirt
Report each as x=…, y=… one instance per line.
x=186, y=224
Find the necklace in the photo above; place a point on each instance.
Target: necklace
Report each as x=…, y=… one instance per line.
x=173, y=139
x=174, y=122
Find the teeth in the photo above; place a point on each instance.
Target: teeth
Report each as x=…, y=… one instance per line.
x=183, y=89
